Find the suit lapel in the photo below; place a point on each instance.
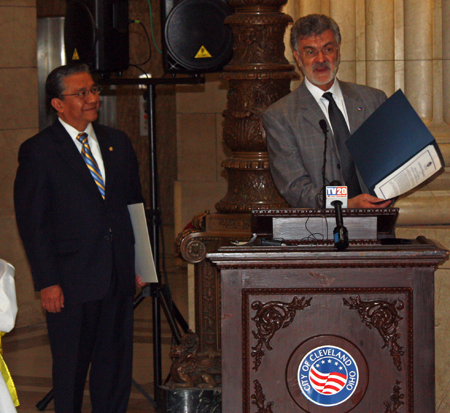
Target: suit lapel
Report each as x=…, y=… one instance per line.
x=66, y=148
x=309, y=107
x=356, y=111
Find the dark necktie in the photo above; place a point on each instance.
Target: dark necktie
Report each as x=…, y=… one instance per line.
x=341, y=134
x=91, y=163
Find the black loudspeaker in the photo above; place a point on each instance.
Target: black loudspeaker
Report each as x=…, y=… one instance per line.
x=195, y=37
x=96, y=33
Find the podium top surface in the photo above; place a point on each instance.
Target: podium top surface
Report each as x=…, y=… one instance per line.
x=300, y=223
x=420, y=252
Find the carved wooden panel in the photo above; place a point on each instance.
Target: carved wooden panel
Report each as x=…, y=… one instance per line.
x=386, y=349
x=354, y=332
x=207, y=308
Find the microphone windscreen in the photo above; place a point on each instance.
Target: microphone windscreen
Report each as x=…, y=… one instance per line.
x=323, y=125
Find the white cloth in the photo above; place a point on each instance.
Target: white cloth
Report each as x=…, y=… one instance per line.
x=8, y=303
x=8, y=312
x=6, y=402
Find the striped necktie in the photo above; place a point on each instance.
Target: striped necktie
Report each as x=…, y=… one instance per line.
x=91, y=163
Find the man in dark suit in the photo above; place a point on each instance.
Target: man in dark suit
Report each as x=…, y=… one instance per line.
x=295, y=139
x=73, y=185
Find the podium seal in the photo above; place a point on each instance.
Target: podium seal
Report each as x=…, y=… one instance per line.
x=327, y=373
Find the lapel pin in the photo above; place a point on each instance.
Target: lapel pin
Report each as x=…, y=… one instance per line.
x=110, y=148
x=360, y=108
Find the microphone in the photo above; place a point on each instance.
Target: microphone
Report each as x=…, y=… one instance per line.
x=340, y=233
x=323, y=126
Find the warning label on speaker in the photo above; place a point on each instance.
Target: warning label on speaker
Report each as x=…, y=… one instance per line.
x=202, y=53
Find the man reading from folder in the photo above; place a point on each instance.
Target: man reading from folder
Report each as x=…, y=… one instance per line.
x=73, y=185
x=295, y=138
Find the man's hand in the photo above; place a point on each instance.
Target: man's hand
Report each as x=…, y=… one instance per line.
x=52, y=299
x=367, y=201
x=139, y=282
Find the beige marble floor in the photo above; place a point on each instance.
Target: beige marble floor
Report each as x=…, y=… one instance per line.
x=27, y=353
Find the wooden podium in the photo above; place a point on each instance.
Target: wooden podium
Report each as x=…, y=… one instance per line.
x=307, y=328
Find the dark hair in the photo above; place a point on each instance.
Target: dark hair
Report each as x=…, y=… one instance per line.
x=55, y=86
x=313, y=24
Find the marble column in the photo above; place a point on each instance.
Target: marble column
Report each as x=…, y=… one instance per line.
x=419, y=56
x=380, y=45
x=422, y=68
x=446, y=60
x=313, y=6
x=345, y=12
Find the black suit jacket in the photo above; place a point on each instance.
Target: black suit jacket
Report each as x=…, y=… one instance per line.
x=72, y=237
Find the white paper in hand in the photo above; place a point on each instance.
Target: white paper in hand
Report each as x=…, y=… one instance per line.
x=145, y=265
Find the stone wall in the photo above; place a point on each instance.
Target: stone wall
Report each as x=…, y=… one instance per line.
x=18, y=121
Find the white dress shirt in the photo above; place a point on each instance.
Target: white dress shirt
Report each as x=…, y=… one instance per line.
x=323, y=103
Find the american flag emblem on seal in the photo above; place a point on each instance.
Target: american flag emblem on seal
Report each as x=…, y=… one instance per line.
x=328, y=376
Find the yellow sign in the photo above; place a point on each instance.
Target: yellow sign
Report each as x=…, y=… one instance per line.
x=202, y=53
x=75, y=55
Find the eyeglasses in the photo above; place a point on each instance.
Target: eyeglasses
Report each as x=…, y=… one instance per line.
x=95, y=90
x=326, y=51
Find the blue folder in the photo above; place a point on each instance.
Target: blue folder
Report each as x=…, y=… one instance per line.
x=391, y=136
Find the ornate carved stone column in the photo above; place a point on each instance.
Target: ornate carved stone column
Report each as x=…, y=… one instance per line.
x=258, y=75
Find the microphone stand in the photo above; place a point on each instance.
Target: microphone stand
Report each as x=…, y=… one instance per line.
x=323, y=126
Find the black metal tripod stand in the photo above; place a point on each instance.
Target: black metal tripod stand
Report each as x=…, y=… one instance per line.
x=159, y=292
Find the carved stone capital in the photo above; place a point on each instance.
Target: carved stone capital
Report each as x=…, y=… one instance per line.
x=185, y=246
